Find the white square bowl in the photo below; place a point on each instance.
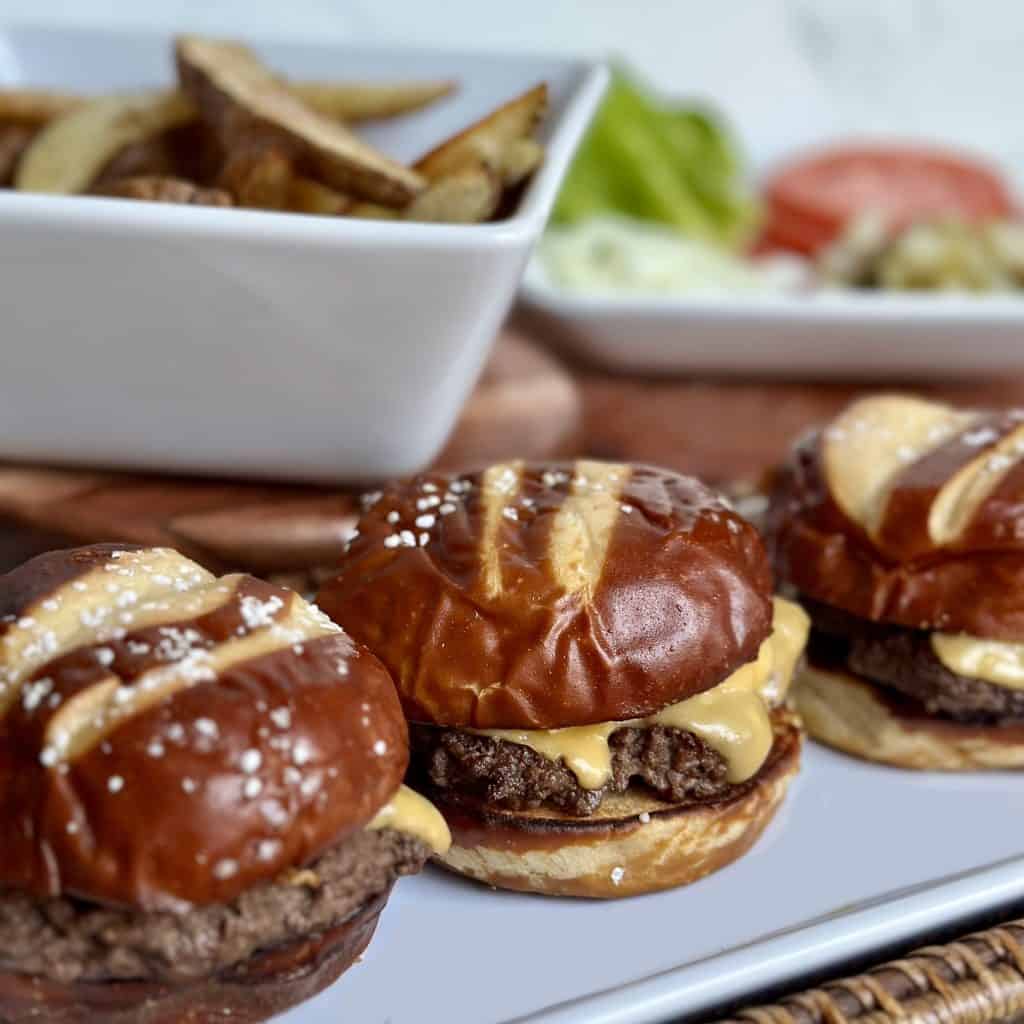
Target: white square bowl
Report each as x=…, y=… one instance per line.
x=251, y=343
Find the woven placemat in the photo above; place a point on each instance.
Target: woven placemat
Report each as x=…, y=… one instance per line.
x=978, y=979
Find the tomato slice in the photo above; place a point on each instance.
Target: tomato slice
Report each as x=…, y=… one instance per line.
x=809, y=202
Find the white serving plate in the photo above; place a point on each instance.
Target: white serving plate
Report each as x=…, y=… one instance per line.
x=827, y=334
x=778, y=112
x=862, y=857
x=252, y=343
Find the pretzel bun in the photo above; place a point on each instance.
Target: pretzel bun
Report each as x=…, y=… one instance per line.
x=633, y=844
x=909, y=512
x=261, y=987
x=854, y=715
x=540, y=596
x=169, y=739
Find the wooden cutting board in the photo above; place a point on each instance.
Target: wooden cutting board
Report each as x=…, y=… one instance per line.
x=728, y=431
x=526, y=405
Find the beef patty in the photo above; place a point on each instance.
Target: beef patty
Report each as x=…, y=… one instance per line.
x=678, y=766
x=67, y=940
x=903, y=659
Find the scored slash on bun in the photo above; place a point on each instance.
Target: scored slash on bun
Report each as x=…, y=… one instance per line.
x=169, y=739
x=909, y=512
x=545, y=596
x=633, y=844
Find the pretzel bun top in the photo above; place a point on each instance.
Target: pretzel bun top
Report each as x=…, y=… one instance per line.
x=168, y=738
x=541, y=596
x=908, y=511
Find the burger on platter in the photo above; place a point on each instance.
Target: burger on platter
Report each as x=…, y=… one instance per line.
x=593, y=665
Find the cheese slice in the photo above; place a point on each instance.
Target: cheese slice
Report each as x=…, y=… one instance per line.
x=733, y=718
x=992, y=661
x=415, y=815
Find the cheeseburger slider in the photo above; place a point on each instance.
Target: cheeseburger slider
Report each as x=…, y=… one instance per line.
x=201, y=809
x=901, y=527
x=593, y=666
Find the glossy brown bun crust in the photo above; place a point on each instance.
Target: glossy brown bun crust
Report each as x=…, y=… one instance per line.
x=925, y=561
x=854, y=715
x=259, y=735
x=632, y=845
x=259, y=988
x=540, y=596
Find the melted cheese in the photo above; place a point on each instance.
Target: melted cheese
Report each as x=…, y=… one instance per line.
x=415, y=815
x=989, y=660
x=733, y=718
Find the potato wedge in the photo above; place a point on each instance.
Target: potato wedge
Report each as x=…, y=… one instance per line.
x=489, y=139
x=242, y=98
x=368, y=101
x=35, y=106
x=14, y=140
x=158, y=189
x=259, y=177
x=69, y=152
x=519, y=160
x=373, y=211
x=467, y=196
x=308, y=196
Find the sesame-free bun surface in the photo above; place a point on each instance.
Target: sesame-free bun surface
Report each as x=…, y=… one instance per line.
x=633, y=844
x=540, y=596
x=170, y=738
x=910, y=512
x=854, y=715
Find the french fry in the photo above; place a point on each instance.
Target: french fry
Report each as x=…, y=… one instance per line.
x=69, y=152
x=259, y=177
x=35, y=106
x=241, y=97
x=467, y=196
x=308, y=196
x=489, y=139
x=369, y=101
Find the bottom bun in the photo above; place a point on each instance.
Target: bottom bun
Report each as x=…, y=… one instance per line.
x=266, y=984
x=855, y=715
x=632, y=844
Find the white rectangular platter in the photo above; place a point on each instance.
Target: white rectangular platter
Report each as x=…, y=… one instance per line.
x=860, y=858
x=834, y=334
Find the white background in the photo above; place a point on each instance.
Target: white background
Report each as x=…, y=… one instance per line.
x=948, y=69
